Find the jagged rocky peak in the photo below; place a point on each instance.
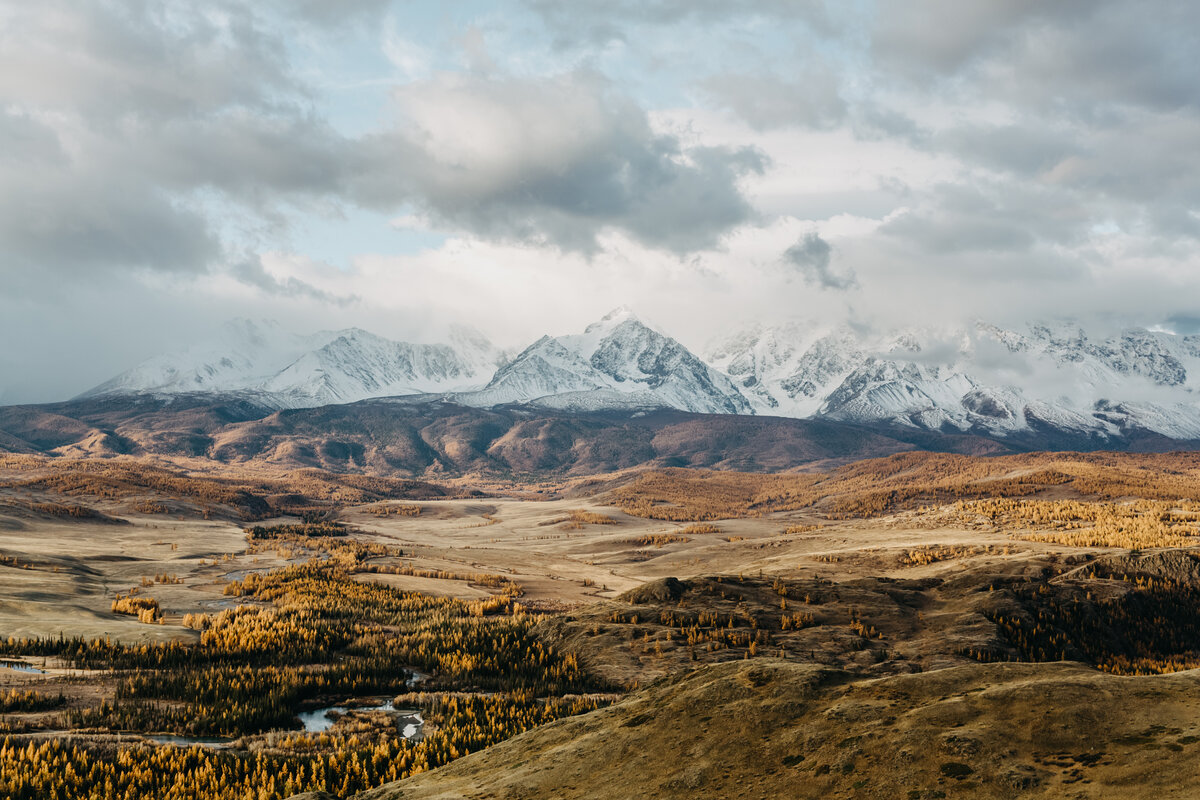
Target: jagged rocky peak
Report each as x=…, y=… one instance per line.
x=616, y=362
x=978, y=377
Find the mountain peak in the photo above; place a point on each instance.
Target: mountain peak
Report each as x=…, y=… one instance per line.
x=617, y=362
x=613, y=320
x=1037, y=380
x=293, y=371
x=619, y=314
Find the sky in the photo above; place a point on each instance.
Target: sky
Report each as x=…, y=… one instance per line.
x=525, y=166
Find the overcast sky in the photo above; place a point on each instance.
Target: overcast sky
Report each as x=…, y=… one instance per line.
x=526, y=166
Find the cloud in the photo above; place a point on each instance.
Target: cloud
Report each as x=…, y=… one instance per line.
x=60, y=215
x=556, y=160
x=169, y=138
x=812, y=257
x=252, y=271
x=1067, y=56
x=768, y=101
x=598, y=22
x=1184, y=324
x=939, y=37
x=1001, y=159
x=109, y=61
x=118, y=117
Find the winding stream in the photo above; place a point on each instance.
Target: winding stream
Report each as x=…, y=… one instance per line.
x=319, y=720
x=322, y=719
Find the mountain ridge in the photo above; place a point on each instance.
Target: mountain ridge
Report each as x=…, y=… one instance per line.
x=623, y=362
x=433, y=437
x=1051, y=383
x=294, y=371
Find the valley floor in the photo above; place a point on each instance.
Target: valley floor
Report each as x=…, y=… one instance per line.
x=856, y=634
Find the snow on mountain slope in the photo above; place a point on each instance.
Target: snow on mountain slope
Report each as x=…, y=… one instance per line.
x=1054, y=383
x=787, y=371
x=981, y=379
x=618, y=362
x=358, y=364
x=242, y=354
x=292, y=371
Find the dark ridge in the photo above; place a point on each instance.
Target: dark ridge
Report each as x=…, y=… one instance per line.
x=430, y=436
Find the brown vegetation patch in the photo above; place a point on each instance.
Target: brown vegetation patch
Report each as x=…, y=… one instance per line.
x=657, y=539
x=575, y=519
x=910, y=480
x=932, y=554
x=250, y=495
x=1129, y=524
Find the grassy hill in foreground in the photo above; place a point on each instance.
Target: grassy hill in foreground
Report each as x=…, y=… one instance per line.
x=769, y=728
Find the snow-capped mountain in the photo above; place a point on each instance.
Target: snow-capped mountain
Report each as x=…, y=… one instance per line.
x=357, y=365
x=292, y=371
x=981, y=379
x=618, y=362
x=1053, y=385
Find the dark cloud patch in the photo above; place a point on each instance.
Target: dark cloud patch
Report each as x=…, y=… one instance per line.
x=61, y=213
x=934, y=38
x=255, y=158
x=250, y=271
x=558, y=160
x=1107, y=53
x=1057, y=181
x=1027, y=149
x=768, y=101
x=991, y=216
x=120, y=116
x=812, y=258
x=82, y=224
x=945, y=230
x=1065, y=57
x=332, y=13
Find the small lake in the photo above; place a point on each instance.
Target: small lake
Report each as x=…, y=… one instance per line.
x=21, y=666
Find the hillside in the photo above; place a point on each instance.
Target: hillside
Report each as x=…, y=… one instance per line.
x=872, y=487
x=882, y=628
x=771, y=728
x=421, y=437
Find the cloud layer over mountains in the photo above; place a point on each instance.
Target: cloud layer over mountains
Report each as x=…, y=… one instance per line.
x=519, y=167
